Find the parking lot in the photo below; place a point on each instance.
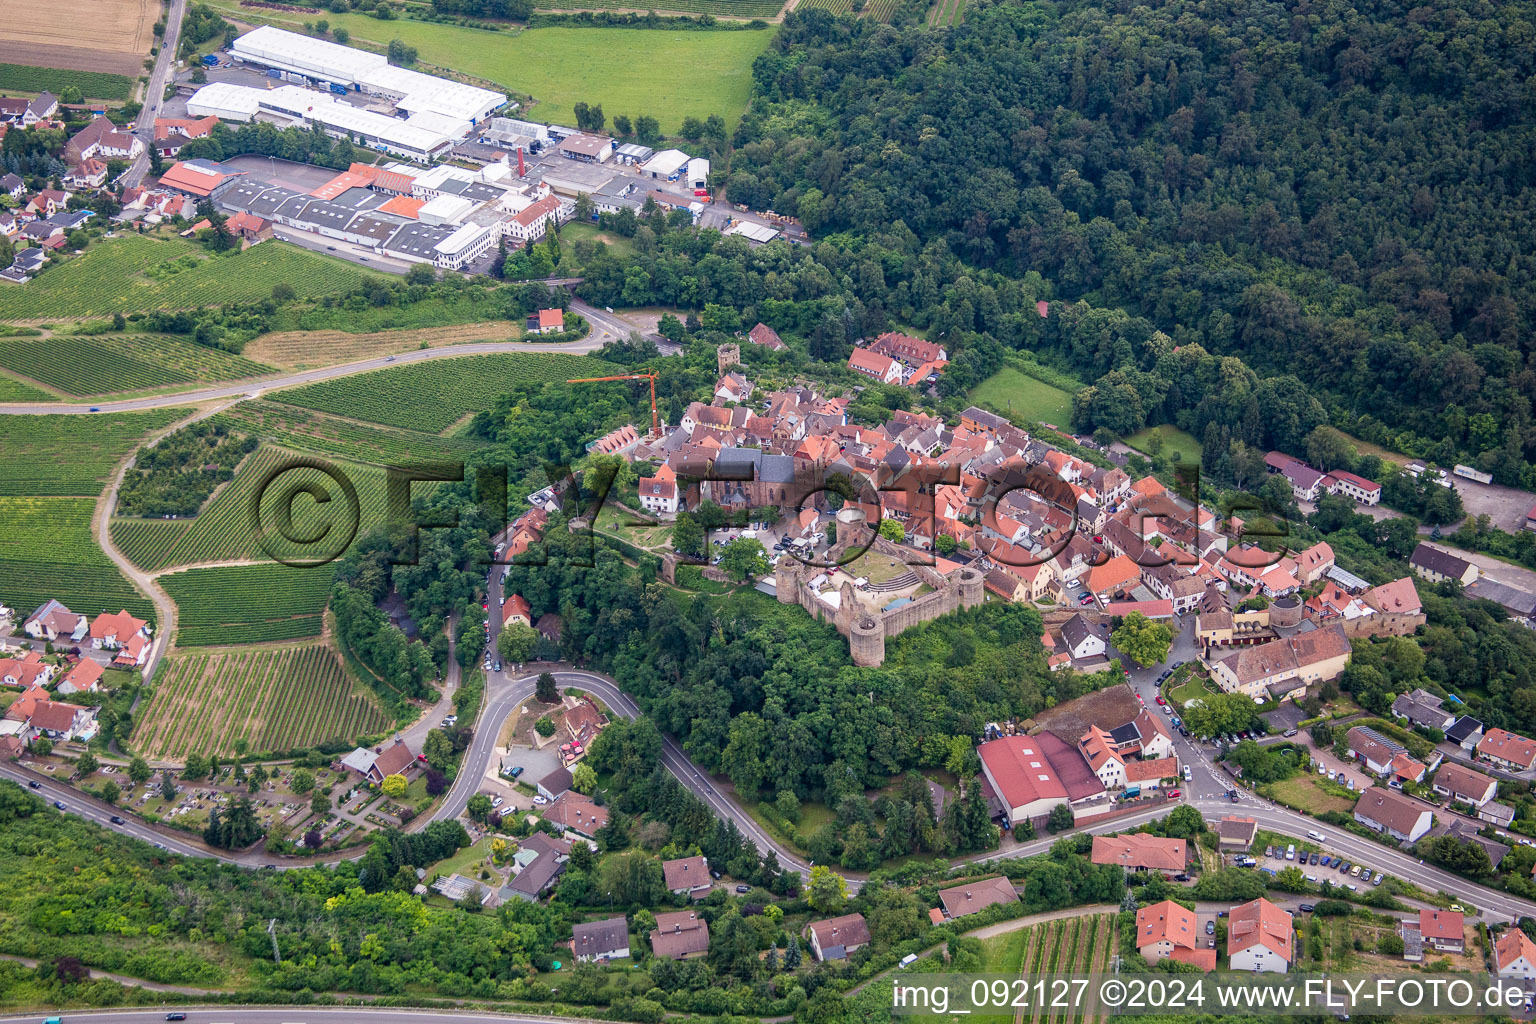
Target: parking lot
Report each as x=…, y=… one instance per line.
x=1319, y=872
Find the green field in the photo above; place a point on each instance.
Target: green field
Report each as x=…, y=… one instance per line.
x=875, y=10
x=103, y=364
x=945, y=12
x=1174, y=440
x=667, y=74
x=246, y=604
x=70, y=455
x=264, y=699
x=12, y=390
x=48, y=551
x=93, y=85
x=225, y=530
x=306, y=430
x=136, y=273
x=1021, y=397
x=430, y=396
x=471, y=305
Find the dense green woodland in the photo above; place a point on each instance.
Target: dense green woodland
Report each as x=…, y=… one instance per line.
x=1339, y=192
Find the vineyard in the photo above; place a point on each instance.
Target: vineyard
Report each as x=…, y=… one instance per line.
x=430, y=396
x=720, y=8
x=48, y=551
x=265, y=699
x=136, y=273
x=226, y=531
x=1069, y=945
x=875, y=10
x=12, y=390
x=304, y=430
x=945, y=13
x=93, y=85
x=247, y=604
x=57, y=455
x=103, y=364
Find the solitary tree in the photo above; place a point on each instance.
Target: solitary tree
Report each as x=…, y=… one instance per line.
x=394, y=786
x=546, y=689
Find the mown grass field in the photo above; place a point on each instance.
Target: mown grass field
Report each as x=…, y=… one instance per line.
x=226, y=529
x=103, y=364
x=1017, y=395
x=136, y=273
x=93, y=85
x=1174, y=440
x=70, y=455
x=247, y=604
x=48, y=552
x=265, y=699
x=468, y=306
x=668, y=74
x=430, y=396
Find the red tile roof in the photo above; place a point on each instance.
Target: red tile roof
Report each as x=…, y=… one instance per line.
x=1139, y=850
x=1259, y=923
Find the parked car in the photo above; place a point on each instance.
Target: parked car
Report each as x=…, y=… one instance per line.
x=540, y=801
x=1313, y=860
x=1173, y=794
x=1306, y=908
x=743, y=888
x=1269, y=851
x=498, y=802
x=1344, y=867
x=1160, y=700
x=1210, y=927
x=1378, y=878
x=498, y=666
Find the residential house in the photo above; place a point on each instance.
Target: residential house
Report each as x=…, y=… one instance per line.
x=974, y=897
x=171, y=133
x=871, y=364
x=1514, y=955
x=1306, y=482
x=515, y=608
x=374, y=765
x=658, y=492
x=546, y=321
x=1137, y=851
x=1421, y=707
x=576, y=812
x=1236, y=834
x=1372, y=749
x=687, y=876
x=88, y=173
x=838, y=937
x=1443, y=930
x=52, y=620
x=1464, y=785
x=600, y=940
x=101, y=138
x=1167, y=930
x=54, y=720
x=1284, y=667
x=1386, y=810
x=26, y=112
x=1084, y=640
x=47, y=202
x=85, y=677
x=537, y=865
x=1507, y=750
x=109, y=632
x=1259, y=938
x=553, y=784
x=1314, y=562
x=1437, y=566
x=733, y=387
x=680, y=935
x=25, y=671
x=1099, y=751
x=1363, y=491
x=767, y=337
x=12, y=185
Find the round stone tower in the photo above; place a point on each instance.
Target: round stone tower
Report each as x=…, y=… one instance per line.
x=728, y=356
x=786, y=581
x=866, y=641
x=971, y=587
x=1285, y=611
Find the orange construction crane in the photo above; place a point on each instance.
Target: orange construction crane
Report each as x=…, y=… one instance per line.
x=655, y=422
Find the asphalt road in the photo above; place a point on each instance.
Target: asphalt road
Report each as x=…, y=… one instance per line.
x=154, y=94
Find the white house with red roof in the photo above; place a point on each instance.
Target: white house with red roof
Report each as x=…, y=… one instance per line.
x=1167, y=930
x=1514, y=955
x=533, y=220
x=1259, y=937
x=658, y=493
x=874, y=365
x=515, y=608
x=85, y=677
x=1030, y=775
x=134, y=653
x=1507, y=750
x=26, y=671
x=547, y=321
x=111, y=631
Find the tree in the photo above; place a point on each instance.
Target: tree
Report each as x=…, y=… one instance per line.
x=545, y=726
x=1142, y=640
x=421, y=273
x=167, y=787
x=394, y=786
x=479, y=806
x=86, y=764
x=647, y=129
x=320, y=804
x=1060, y=818
x=744, y=558
x=138, y=771
x=827, y=890
x=42, y=746
x=546, y=690
x=400, y=54
x=892, y=530
x=341, y=35
x=1328, y=449
x=687, y=536
x=110, y=792
x=438, y=750
x=517, y=641
x=1291, y=879
x=583, y=778
x=302, y=781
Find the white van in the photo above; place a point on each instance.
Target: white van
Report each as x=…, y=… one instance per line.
x=1290, y=852
x=908, y=960
x=1189, y=773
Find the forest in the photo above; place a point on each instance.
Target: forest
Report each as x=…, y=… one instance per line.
x=1336, y=195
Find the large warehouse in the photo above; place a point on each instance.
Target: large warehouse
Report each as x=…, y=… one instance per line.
x=407, y=138
x=328, y=63
x=225, y=101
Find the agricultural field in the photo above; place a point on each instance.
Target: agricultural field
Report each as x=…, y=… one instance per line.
x=945, y=13
x=304, y=430
x=637, y=75
x=103, y=364
x=257, y=700
x=471, y=305
x=13, y=390
x=1017, y=395
x=431, y=396
x=87, y=35
x=1174, y=440
x=93, y=85
x=49, y=551
x=875, y=10
x=248, y=604
x=136, y=273
x=225, y=531
x=303, y=350
x=70, y=455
